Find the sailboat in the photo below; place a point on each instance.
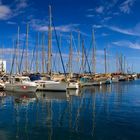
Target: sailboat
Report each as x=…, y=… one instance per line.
x=71, y=82
x=49, y=84
x=19, y=83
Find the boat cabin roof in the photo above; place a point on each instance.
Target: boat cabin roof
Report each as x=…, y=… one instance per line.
x=20, y=78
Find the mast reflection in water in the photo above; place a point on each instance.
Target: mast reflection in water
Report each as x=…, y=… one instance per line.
x=104, y=113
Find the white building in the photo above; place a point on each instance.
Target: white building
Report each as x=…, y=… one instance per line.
x=2, y=66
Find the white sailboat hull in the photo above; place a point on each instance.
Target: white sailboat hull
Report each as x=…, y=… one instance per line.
x=51, y=86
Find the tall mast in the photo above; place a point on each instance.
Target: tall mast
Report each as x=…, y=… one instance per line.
x=70, y=55
x=37, y=44
x=105, y=60
x=94, y=52
x=83, y=58
x=17, y=51
x=132, y=67
x=124, y=64
x=13, y=56
x=116, y=63
x=26, y=61
x=2, y=58
x=60, y=43
x=121, y=59
x=78, y=46
x=43, y=53
x=108, y=66
x=49, y=42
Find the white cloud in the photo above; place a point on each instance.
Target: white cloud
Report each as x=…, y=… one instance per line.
x=135, y=31
x=5, y=12
x=38, y=26
x=125, y=7
x=67, y=28
x=11, y=23
x=104, y=34
x=90, y=16
x=22, y=4
x=99, y=9
x=42, y=25
x=90, y=10
x=97, y=26
x=107, y=18
x=127, y=44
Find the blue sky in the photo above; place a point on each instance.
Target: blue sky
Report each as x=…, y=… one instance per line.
x=116, y=24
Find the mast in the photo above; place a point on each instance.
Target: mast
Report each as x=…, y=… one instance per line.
x=79, y=46
x=108, y=66
x=37, y=44
x=43, y=53
x=121, y=60
x=105, y=60
x=26, y=54
x=116, y=62
x=83, y=58
x=49, y=42
x=124, y=64
x=94, y=52
x=17, y=50
x=59, y=60
x=2, y=58
x=132, y=67
x=13, y=56
x=70, y=55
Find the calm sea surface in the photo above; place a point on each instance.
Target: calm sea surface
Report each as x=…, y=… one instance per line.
x=109, y=112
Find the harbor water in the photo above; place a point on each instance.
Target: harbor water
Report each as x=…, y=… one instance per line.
x=107, y=112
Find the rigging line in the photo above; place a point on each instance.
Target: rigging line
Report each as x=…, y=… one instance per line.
x=55, y=58
x=32, y=58
x=21, y=58
x=14, y=56
x=54, y=63
x=74, y=44
x=59, y=49
x=86, y=59
x=89, y=51
x=93, y=42
x=75, y=59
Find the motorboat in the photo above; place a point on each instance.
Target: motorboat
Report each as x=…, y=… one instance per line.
x=20, y=84
x=73, y=84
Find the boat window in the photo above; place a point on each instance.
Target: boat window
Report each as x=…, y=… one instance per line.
x=26, y=79
x=72, y=81
x=17, y=80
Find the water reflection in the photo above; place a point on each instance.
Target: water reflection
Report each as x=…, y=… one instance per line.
x=75, y=114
